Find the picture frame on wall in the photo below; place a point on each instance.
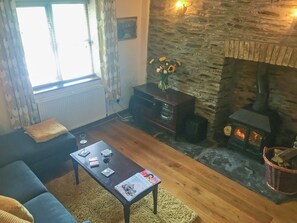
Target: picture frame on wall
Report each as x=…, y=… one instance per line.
x=127, y=28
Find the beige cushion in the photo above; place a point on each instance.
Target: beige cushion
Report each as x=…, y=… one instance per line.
x=13, y=211
x=6, y=217
x=45, y=130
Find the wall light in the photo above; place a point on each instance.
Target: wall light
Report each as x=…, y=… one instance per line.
x=294, y=14
x=181, y=7
x=294, y=21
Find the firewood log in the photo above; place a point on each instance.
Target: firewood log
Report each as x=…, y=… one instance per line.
x=285, y=158
x=288, y=154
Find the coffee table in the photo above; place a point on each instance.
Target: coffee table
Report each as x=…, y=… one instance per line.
x=123, y=167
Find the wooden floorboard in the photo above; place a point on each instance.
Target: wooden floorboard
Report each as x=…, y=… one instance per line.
x=213, y=196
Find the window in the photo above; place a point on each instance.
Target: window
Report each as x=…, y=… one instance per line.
x=56, y=41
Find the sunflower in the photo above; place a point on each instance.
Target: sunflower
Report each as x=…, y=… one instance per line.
x=162, y=59
x=171, y=68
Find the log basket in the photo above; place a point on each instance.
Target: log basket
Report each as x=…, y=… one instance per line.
x=280, y=179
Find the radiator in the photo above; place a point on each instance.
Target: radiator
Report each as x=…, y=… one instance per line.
x=73, y=106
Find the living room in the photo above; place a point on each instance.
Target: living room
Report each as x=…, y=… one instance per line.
x=213, y=40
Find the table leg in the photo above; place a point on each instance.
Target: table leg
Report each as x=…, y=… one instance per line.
x=75, y=167
x=155, y=199
x=127, y=213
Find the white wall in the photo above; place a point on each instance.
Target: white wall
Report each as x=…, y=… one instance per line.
x=132, y=52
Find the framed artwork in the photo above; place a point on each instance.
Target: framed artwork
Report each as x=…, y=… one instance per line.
x=127, y=28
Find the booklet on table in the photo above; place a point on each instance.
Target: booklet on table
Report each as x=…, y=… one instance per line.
x=136, y=184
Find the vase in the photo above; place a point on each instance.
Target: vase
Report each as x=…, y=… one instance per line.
x=163, y=83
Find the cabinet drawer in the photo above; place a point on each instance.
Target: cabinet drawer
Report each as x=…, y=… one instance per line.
x=143, y=96
x=144, y=102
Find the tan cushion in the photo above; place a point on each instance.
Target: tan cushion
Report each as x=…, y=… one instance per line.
x=11, y=209
x=6, y=217
x=45, y=130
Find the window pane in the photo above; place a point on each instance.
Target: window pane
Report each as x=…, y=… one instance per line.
x=72, y=38
x=37, y=45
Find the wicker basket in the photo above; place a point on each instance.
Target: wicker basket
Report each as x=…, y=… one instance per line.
x=278, y=178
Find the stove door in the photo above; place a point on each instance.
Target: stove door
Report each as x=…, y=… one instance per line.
x=255, y=138
x=240, y=133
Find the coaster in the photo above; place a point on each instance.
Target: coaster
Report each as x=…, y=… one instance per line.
x=106, y=152
x=107, y=172
x=84, y=153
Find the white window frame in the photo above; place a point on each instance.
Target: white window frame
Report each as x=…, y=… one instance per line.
x=94, y=52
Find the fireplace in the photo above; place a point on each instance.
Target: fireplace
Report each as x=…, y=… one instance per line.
x=255, y=126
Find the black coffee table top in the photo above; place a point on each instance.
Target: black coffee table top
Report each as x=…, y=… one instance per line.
x=123, y=167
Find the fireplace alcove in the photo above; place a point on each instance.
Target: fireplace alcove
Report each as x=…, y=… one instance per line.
x=238, y=90
x=255, y=126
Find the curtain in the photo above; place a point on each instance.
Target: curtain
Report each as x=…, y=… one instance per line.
x=14, y=78
x=108, y=47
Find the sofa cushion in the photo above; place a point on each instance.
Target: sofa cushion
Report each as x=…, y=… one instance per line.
x=45, y=130
x=47, y=209
x=12, y=206
x=19, y=146
x=19, y=182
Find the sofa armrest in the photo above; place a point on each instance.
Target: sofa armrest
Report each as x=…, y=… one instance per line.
x=46, y=208
x=19, y=182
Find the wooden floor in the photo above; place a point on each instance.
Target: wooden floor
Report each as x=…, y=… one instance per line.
x=214, y=197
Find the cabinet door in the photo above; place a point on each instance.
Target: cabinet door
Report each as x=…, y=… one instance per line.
x=144, y=108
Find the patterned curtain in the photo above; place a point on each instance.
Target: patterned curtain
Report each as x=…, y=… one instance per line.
x=108, y=46
x=14, y=78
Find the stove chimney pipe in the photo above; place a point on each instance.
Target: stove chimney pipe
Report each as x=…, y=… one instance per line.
x=262, y=83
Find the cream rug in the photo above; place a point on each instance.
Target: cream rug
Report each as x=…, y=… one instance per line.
x=89, y=201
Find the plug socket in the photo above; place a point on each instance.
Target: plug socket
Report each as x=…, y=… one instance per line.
x=118, y=99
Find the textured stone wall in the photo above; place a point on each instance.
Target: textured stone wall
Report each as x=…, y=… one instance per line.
x=197, y=39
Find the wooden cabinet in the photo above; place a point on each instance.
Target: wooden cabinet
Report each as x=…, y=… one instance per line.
x=167, y=110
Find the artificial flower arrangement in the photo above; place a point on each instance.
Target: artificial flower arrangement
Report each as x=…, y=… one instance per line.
x=164, y=67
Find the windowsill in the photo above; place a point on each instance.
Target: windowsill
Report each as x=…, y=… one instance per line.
x=58, y=86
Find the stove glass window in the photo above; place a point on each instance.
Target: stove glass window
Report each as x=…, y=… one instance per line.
x=240, y=133
x=255, y=138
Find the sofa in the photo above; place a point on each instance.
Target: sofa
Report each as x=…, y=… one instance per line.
x=19, y=182
x=21, y=160
x=40, y=157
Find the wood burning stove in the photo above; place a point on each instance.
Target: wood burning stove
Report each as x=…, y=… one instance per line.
x=251, y=131
x=256, y=125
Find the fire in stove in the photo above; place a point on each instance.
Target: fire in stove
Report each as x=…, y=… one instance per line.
x=239, y=133
x=255, y=138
